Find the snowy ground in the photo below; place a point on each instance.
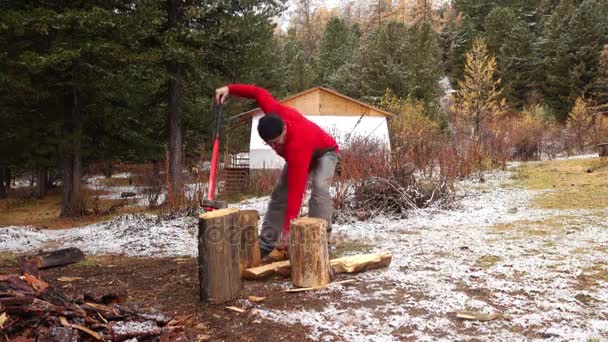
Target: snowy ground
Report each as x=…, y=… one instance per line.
x=547, y=270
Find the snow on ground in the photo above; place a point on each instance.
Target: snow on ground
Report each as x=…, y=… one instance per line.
x=544, y=271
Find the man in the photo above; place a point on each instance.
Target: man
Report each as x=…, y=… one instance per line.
x=306, y=148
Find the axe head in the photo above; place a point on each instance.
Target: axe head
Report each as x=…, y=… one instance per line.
x=210, y=205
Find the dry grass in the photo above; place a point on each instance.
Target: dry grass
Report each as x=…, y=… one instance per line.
x=18, y=210
x=570, y=185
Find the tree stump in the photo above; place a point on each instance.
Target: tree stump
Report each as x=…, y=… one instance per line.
x=603, y=149
x=250, y=245
x=219, y=244
x=308, y=253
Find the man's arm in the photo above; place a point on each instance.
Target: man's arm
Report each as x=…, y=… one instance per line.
x=265, y=100
x=297, y=174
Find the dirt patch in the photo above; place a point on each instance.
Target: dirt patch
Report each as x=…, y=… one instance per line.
x=171, y=286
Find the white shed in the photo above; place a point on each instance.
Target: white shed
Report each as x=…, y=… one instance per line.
x=341, y=116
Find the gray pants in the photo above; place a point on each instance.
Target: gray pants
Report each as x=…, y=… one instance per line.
x=320, y=205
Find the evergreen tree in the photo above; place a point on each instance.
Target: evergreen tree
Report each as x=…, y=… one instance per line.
x=339, y=46
x=405, y=60
x=599, y=87
x=573, y=38
x=498, y=24
x=462, y=42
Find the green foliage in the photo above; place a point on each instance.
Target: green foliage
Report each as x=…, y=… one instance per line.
x=339, y=47
x=405, y=60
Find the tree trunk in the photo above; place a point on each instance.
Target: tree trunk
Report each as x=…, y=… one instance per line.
x=174, y=118
x=72, y=203
x=156, y=169
x=308, y=253
x=219, y=256
x=107, y=168
x=41, y=182
x=250, y=245
x=3, y=181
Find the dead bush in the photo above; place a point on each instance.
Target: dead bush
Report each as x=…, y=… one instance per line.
x=375, y=181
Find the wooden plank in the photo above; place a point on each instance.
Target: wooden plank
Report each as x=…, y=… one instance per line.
x=308, y=253
x=350, y=264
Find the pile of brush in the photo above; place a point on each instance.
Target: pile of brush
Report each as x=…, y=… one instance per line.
x=33, y=310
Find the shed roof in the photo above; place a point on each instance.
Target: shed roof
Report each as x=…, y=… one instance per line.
x=325, y=101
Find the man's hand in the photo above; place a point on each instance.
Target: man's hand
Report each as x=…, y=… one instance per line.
x=221, y=94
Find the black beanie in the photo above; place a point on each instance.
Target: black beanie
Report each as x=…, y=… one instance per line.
x=270, y=127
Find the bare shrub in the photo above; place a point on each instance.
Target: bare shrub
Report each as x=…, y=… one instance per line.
x=373, y=180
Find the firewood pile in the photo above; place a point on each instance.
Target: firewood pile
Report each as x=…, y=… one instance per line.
x=33, y=310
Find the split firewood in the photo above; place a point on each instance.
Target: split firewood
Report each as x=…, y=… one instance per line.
x=68, y=279
x=267, y=270
x=479, y=316
x=3, y=319
x=65, y=323
x=36, y=283
x=314, y=288
x=358, y=263
x=256, y=299
x=235, y=309
x=351, y=264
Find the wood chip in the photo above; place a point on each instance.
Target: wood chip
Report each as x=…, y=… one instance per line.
x=68, y=279
x=67, y=324
x=3, y=318
x=235, y=309
x=256, y=299
x=348, y=281
x=479, y=316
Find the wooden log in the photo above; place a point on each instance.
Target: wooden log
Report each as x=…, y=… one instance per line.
x=261, y=272
x=250, y=245
x=351, y=264
x=358, y=263
x=59, y=257
x=219, y=244
x=308, y=253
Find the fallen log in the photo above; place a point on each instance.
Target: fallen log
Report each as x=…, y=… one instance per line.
x=350, y=264
x=60, y=257
x=308, y=254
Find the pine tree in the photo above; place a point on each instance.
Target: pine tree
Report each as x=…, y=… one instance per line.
x=461, y=43
x=478, y=97
x=497, y=25
x=599, y=87
x=573, y=38
x=405, y=60
x=339, y=46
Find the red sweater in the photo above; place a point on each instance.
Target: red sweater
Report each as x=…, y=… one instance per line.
x=303, y=139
